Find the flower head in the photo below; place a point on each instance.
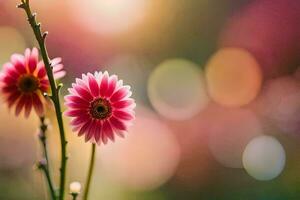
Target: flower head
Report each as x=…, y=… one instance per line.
x=23, y=81
x=100, y=106
x=75, y=187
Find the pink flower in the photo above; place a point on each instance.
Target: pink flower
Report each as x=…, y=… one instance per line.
x=23, y=81
x=100, y=107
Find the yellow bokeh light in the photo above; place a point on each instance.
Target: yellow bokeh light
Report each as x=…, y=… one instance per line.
x=234, y=77
x=176, y=89
x=109, y=16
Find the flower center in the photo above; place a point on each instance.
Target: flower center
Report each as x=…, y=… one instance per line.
x=28, y=83
x=100, y=108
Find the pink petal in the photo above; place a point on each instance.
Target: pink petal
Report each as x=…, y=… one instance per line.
x=12, y=73
x=42, y=72
x=84, y=128
x=20, y=105
x=118, y=124
x=55, y=61
x=79, y=120
x=120, y=94
x=74, y=113
x=77, y=105
x=123, y=115
x=27, y=53
x=83, y=93
x=98, y=131
x=94, y=87
x=104, y=84
x=107, y=132
x=72, y=98
x=58, y=67
x=28, y=105
x=9, y=80
x=20, y=68
x=81, y=83
x=123, y=103
x=91, y=131
x=111, y=85
x=60, y=74
x=9, y=88
x=13, y=98
x=17, y=58
x=33, y=60
x=38, y=105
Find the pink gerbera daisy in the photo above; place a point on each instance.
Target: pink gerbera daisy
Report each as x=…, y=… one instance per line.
x=23, y=81
x=100, y=106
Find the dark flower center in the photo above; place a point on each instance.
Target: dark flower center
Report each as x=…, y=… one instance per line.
x=28, y=83
x=100, y=108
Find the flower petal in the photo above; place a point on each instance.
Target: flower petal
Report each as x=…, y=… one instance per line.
x=112, y=84
x=98, y=131
x=20, y=105
x=33, y=60
x=93, y=85
x=107, y=132
x=120, y=94
x=84, y=128
x=123, y=115
x=83, y=93
x=28, y=106
x=37, y=104
x=104, y=84
x=117, y=123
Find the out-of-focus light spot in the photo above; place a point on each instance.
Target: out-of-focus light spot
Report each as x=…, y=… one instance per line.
x=234, y=77
x=230, y=131
x=264, y=158
x=280, y=103
x=134, y=71
x=146, y=159
x=109, y=16
x=177, y=90
x=11, y=42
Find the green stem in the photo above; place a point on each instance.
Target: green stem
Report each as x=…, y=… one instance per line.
x=74, y=196
x=46, y=170
x=90, y=173
x=36, y=27
x=48, y=178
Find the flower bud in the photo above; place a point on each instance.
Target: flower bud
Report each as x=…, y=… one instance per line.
x=75, y=187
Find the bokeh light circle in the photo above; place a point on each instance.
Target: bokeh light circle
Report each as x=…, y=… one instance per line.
x=229, y=131
x=234, y=77
x=264, y=158
x=279, y=102
x=11, y=42
x=109, y=16
x=146, y=158
x=176, y=89
x=133, y=70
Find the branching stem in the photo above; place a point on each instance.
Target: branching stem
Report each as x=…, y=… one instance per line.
x=36, y=27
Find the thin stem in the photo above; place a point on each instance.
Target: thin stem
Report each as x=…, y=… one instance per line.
x=36, y=27
x=45, y=167
x=74, y=196
x=50, y=184
x=90, y=173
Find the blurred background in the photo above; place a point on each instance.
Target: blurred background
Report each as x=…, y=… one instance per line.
x=217, y=88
